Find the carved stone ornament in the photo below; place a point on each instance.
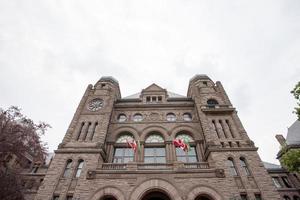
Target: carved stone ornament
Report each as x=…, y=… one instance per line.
x=95, y=104
x=154, y=116
x=220, y=173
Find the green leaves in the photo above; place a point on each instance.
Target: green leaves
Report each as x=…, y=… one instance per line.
x=296, y=93
x=291, y=160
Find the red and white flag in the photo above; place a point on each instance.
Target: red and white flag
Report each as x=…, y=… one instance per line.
x=132, y=144
x=181, y=144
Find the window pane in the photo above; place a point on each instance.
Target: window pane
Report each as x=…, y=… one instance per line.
x=180, y=152
x=192, y=151
x=149, y=151
x=276, y=182
x=125, y=138
x=149, y=160
x=128, y=151
x=154, y=139
x=118, y=152
x=192, y=159
x=182, y=159
x=127, y=159
x=160, y=159
x=160, y=151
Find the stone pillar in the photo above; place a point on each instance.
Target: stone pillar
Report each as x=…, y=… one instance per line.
x=84, y=131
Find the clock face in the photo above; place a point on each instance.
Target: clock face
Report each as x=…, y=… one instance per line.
x=95, y=104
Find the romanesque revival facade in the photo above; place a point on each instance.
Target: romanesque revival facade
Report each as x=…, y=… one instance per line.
x=123, y=148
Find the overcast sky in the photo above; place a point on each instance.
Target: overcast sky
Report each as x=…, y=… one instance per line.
x=51, y=50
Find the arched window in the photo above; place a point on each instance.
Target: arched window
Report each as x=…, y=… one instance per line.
x=124, y=138
x=138, y=117
x=154, y=151
x=122, y=118
x=171, y=117
x=212, y=103
x=79, y=168
x=244, y=166
x=232, y=167
x=123, y=153
x=67, y=171
x=189, y=156
x=187, y=117
x=154, y=138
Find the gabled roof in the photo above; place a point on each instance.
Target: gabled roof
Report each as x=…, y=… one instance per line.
x=170, y=95
x=293, y=135
x=154, y=87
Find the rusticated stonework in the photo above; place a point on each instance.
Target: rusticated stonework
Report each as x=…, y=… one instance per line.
x=221, y=164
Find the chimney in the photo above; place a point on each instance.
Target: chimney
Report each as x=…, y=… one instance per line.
x=281, y=140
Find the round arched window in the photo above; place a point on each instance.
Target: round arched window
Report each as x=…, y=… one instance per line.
x=185, y=137
x=137, y=117
x=154, y=151
x=125, y=138
x=187, y=117
x=123, y=153
x=122, y=118
x=154, y=138
x=171, y=117
x=212, y=103
x=188, y=155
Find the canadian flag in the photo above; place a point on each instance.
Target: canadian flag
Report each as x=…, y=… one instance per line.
x=132, y=144
x=181, y=144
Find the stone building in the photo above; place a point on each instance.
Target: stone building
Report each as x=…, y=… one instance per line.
x=95, y=162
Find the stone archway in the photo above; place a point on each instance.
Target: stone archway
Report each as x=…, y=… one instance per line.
x=159, y=187
x=108, y=193
x=203, y=193
x=156, y=195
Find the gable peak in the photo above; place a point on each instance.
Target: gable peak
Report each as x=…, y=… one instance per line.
x=153, y=87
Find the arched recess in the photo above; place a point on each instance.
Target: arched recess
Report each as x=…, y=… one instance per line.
x=155, y=184
x=119, y=131
x=205, y=192
x=109, y=192
x=155, y=129
x=188, y=130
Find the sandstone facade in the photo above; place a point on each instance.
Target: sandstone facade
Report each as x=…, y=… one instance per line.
x=222, y=164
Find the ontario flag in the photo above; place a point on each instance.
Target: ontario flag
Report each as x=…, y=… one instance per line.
x=183, y=144
x=134, y=145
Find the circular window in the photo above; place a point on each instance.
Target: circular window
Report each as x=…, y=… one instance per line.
x=187, y=117
x=171, y=117
x=95, y=104
x=122, y=118
x=137, y=117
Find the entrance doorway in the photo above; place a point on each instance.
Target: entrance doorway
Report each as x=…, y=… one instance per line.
x=203, y=197
x=155, y=195
x=108, y=198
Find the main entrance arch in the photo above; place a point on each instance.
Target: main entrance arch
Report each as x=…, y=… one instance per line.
x=156, y=195
x=155, y=189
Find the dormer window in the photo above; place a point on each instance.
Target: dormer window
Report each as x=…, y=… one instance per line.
x=159, y=98
x=153, y=99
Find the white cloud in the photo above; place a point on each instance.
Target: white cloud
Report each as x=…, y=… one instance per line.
x=51, y=50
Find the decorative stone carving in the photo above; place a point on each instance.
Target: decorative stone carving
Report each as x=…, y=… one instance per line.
x=220, y=173
x=91, y=174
